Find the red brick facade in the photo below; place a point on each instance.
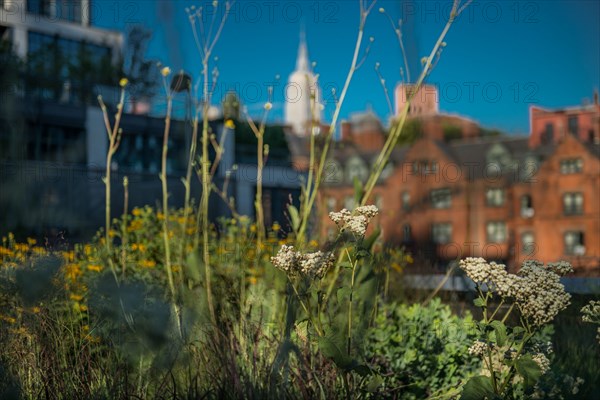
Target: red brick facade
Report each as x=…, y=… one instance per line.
x=502, y=198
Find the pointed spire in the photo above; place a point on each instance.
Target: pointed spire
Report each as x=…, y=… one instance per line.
x=302, y=61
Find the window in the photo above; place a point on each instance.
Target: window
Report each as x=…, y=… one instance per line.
x=548, y=134
x=494, y=197
x=571, y=165
x=441, y=198
x=496, y=232
x=526, y=206
x=406, y=200
x=425, y=167
x=574, y=243
x=39, y=7
x=331, y=204
x=441, y=233
x=528, y=245
x=406, y=233
x=573, y=203
x=56, y=144
x=573, y=124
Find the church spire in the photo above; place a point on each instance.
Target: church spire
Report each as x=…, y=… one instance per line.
x=302, y=61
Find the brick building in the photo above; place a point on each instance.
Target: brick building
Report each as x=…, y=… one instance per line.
x=503, y=198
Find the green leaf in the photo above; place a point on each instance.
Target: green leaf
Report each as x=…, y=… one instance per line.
x=369, y=241
x=528, y=369
x=192, y=268
x=479, y=302
x=361, y=369
x=332, y=349
x=374, y=383
x=294, y=217
x=346, y=264
x=478, y=388
x=500, y=330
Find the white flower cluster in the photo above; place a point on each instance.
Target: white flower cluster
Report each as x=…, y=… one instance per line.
x=542, y=361
x=536, y=290
x=478, y=348
x=493, y=275
x=591, y=313
x=356, y=221
x=561, y=268
x=295, y=263
x=540, y=294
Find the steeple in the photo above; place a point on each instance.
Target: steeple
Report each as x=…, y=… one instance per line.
x=302, y=60
x=303, y=96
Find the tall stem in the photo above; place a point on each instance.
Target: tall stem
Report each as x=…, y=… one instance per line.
x=260, y=218
x=165, y=196
x=206, y=188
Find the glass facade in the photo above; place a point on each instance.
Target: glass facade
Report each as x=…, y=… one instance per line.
x=66, y=70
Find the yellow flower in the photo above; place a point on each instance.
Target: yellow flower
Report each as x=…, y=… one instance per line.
x=229, y=124
x=94, y=267
x=76, y=297
x=268, y=106
x=252, y=280
x=276, y=227
x=10, y=320
x=35, y=310
x=123, y=82
x=72, y=271
x=148, y=263
x=21, y=247
x=111, y=233
x=83, y=308
x=313, y=243
x=166, y=71
x=87, y=249
x=409, y=259
x=137, y=212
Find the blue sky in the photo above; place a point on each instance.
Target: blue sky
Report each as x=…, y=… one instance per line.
x=501, y=56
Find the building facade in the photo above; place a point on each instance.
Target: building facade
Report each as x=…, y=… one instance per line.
x=501, y=198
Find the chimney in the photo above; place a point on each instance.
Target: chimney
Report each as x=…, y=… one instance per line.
x=595, y=97
x=346, y=130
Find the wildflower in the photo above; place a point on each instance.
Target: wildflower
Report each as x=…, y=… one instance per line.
x=10, y=320
x=35, y=310
x=276, y=227
x=165, y=71
x=94, y=268
x=136, y=212
x=268, y=105
x=229, y=124
x=295, y=263
x=355, y=222
x=478, y=348
x=381, y=10
x=536, y=290
x=542, y=361
x=148, y=263
x=76, y=297
x=123, y=82
x=31, y=241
